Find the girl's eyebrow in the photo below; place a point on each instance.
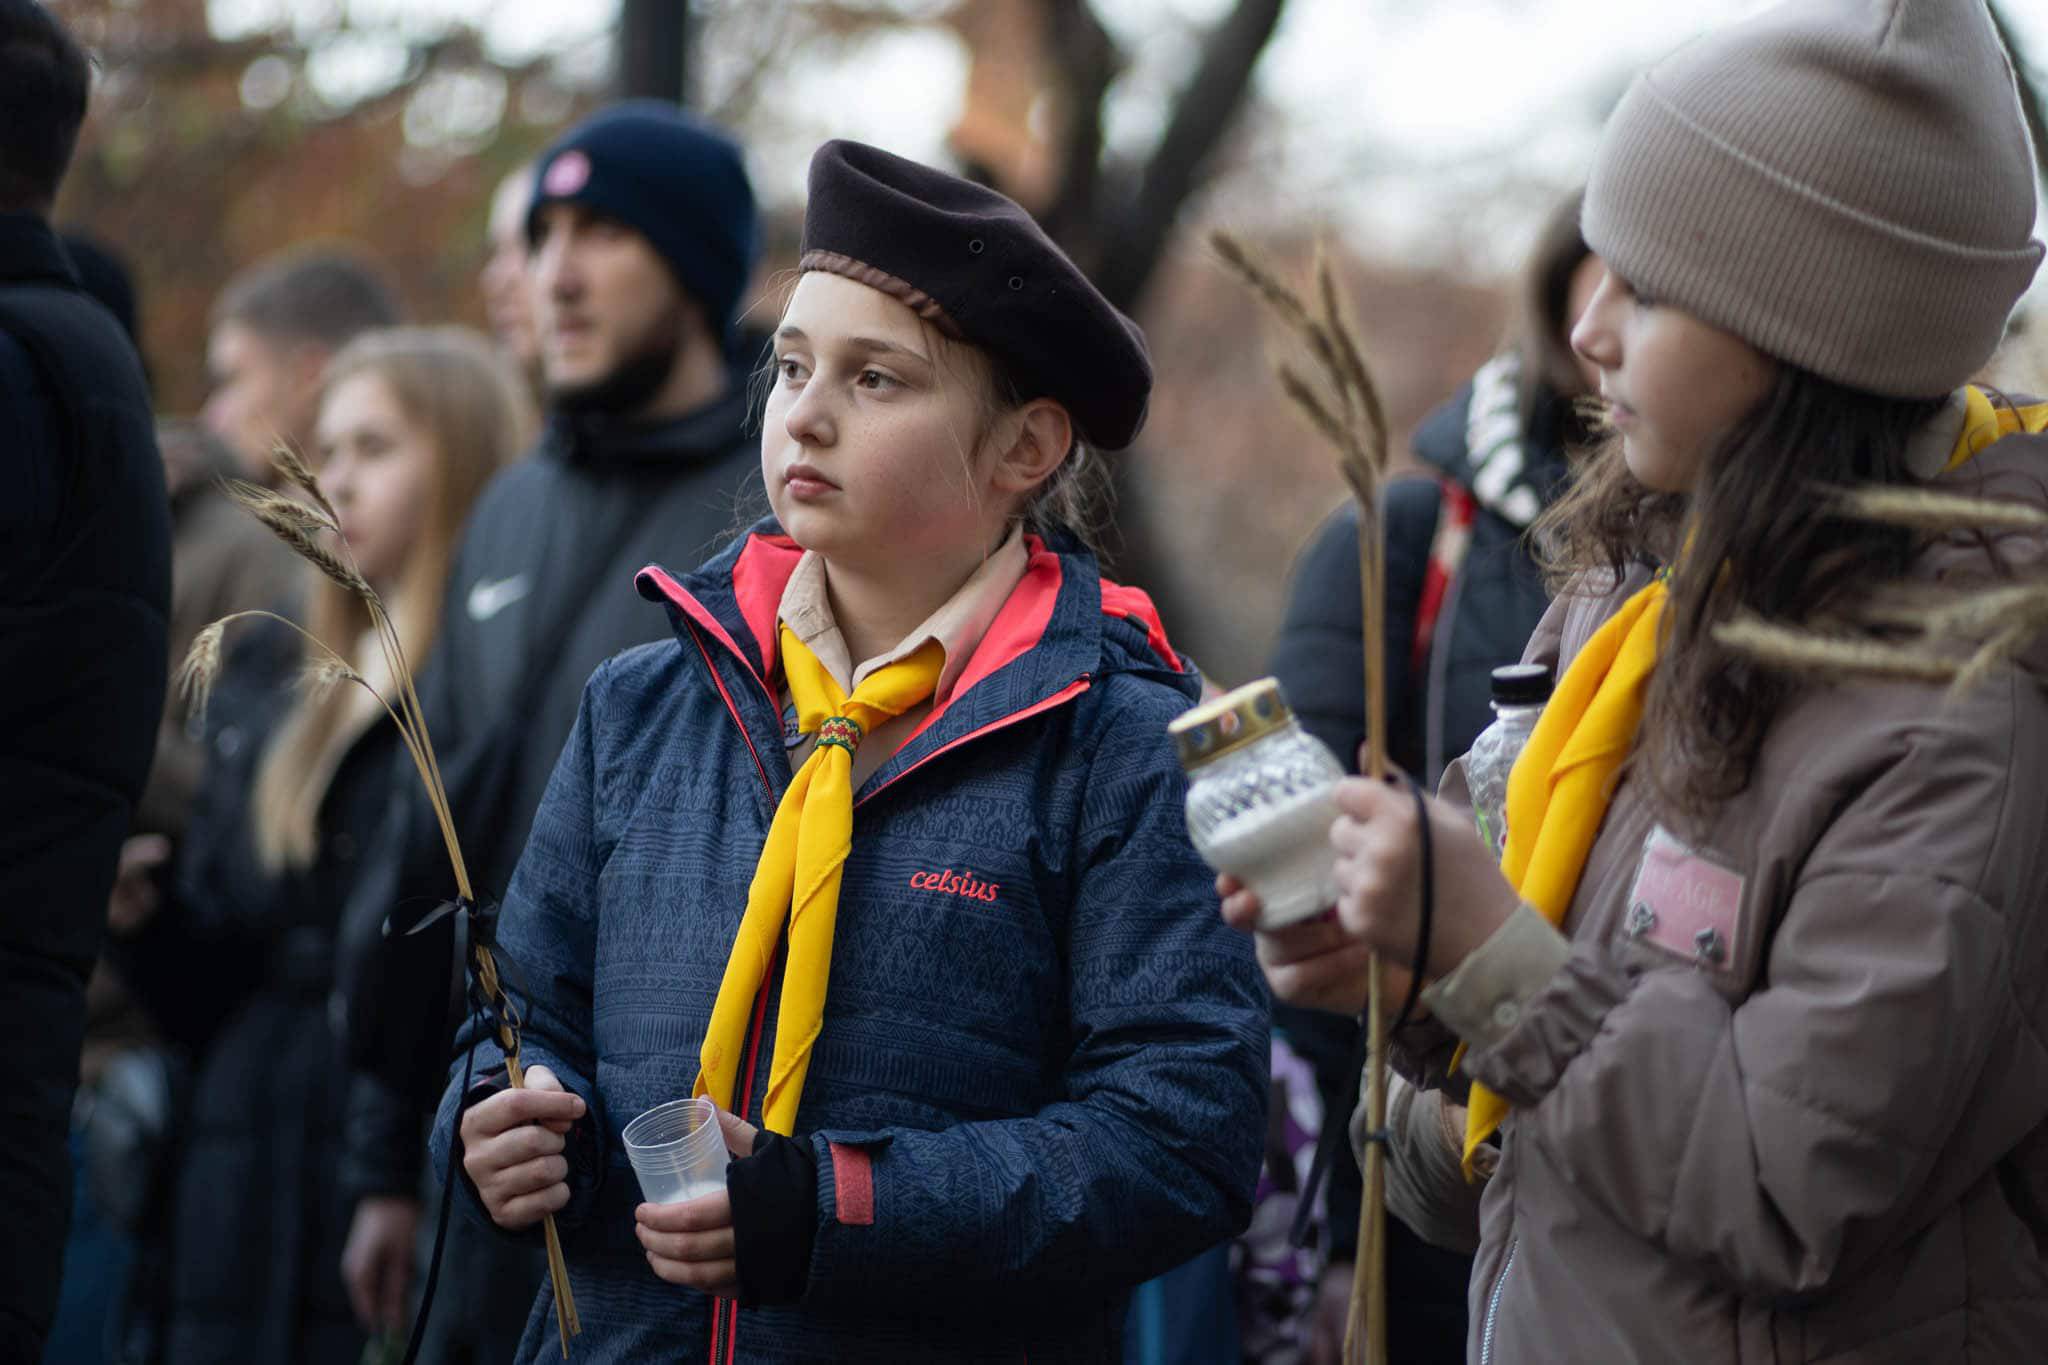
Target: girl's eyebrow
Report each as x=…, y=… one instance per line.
x=865, y=345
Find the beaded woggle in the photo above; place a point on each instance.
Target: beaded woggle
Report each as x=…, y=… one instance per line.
x=841, y=731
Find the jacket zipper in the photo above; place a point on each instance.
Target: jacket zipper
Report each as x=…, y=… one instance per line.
x=1493, y=1305
x=724, y=1324
x=725, y=1317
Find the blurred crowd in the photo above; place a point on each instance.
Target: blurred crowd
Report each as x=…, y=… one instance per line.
x=261, y=1062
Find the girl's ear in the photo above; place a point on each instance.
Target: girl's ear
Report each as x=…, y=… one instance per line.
x=1040, y=435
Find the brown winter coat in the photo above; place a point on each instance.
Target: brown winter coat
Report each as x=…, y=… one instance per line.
x=1832, y=1143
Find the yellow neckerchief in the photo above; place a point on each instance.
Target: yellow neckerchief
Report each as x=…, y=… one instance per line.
x=1559, y=789
x=1985, y=425
x=801, y=864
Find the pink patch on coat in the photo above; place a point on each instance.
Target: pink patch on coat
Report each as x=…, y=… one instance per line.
x=1686, y=904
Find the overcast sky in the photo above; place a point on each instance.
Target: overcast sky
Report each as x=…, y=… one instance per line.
x=1427, y=126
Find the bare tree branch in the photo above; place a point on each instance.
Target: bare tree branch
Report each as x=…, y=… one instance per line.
x=1087, y=62
x=1204, y=112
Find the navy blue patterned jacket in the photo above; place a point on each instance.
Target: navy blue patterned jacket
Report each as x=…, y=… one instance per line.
x=1020, y=1107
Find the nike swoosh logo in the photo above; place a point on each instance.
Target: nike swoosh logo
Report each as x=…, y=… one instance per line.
x=489, y=596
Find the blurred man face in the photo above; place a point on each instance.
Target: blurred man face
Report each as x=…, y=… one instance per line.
x=506, y=279
x=610, y=314
x=264, y=390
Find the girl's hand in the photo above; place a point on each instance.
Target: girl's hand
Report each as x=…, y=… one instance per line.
x=1316, y=964
x=691, y=1243
x=512, y=1149
x=1379, y=867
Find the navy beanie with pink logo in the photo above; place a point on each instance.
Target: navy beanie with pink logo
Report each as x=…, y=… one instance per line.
x=675, y=179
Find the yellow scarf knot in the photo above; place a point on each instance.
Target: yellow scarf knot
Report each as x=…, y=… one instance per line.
x=843, y=731
x=797, y=879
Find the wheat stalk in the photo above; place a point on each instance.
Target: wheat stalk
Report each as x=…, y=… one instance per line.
x=324, y=675
x=268, y=502
x=1964, y=614
x=290, y=464
x=1346, y=411
x=302, y=527
x=1924, y=510
x=1356, y=380
x=1263, y=282
x=1960, y=636
x=1794, y=649
x=201, y=666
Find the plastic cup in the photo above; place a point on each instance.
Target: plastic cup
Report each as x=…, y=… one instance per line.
x=678, y=1151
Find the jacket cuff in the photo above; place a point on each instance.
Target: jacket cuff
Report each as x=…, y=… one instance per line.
x=1553, y=1027
x=1483, y=999
x=774, y=1194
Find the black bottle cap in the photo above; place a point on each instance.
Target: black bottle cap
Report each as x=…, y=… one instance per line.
x=1521, y=685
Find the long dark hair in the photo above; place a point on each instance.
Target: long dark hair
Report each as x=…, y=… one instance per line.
x=1761, y=533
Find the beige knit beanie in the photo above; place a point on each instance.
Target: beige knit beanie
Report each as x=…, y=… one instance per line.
x=1844, y=184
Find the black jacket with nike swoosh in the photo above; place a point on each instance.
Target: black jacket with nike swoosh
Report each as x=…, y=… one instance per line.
x=540, y=594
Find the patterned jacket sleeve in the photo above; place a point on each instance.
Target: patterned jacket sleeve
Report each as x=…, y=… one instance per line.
x=1151, y=1155
x=547, y=941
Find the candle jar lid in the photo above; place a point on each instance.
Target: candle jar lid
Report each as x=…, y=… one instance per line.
x=1233, y=720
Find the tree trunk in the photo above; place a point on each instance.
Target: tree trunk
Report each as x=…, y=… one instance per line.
x=654, y=40
x=1087, y=63
x=1201, y=116
x=2031, y=102
x=1120, y=239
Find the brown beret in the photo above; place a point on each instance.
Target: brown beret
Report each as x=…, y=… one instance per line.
x=975, y=265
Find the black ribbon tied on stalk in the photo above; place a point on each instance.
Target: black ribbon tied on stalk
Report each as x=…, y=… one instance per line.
x=481, y=924
x=1334, y=1122
x=486, y=1018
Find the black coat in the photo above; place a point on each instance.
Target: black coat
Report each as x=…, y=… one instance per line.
x=84, y=601
x=1434, y=712
x=238, y=969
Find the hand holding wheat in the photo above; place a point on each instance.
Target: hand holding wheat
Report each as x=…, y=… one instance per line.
x=312, y=528
x=1346, y=411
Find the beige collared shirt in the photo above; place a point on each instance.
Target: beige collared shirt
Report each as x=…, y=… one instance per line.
x=958, y=625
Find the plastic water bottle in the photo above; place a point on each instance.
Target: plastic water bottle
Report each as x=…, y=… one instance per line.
x=1519, y=691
